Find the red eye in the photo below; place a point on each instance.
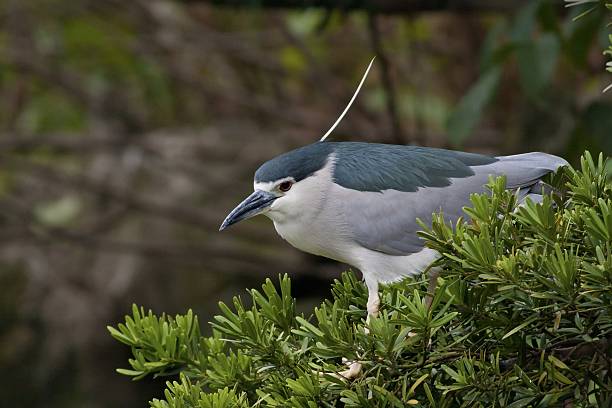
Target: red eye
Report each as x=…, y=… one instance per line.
x=285, y=186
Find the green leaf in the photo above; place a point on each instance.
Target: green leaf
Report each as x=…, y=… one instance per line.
x=131, y=373
x=558, y=362
x=469, y=110
x=120, y=336
x=519, y=327
x=537, y=60
x=417, y=383
x=523, y=402
x=59, y=212
x=524, y=22
x=580, y=34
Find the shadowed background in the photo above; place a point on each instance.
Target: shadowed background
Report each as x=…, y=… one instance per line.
x=128, y=129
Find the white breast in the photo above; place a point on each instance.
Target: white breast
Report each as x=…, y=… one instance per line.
x=390, y=268
x=311, y=222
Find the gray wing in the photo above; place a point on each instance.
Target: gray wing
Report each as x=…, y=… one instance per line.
x=525, y=170
x=386, y=221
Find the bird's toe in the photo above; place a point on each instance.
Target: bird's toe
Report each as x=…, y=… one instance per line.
x=353, y=371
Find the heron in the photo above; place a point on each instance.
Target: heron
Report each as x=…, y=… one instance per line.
x=359, y=203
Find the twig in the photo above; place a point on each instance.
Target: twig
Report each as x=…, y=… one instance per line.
x=386, y=79
x=566, y=353
x=381, y=6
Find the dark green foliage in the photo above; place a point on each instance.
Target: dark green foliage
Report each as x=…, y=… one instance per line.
x=521, y=317
x=608, y=51
x=539, y=44
x=591, y=7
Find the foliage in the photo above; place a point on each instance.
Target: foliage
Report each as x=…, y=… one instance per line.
x=521, y=317
x=593, y=6
x=539, y=44
x=608, y=52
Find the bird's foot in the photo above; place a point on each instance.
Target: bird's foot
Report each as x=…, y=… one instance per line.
x=373, y=305
x=353, y=371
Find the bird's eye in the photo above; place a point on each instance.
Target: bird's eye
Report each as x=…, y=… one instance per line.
x=285, y=186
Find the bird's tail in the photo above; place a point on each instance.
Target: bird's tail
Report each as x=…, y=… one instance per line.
x=525, y=171
x=536, y=160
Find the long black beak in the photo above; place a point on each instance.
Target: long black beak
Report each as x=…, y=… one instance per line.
x=254, y=204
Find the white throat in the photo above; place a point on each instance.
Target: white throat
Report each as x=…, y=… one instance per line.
x=306, y=219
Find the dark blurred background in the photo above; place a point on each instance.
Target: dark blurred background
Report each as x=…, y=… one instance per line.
x=128, y=129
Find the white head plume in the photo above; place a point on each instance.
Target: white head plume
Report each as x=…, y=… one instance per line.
x=365, y=75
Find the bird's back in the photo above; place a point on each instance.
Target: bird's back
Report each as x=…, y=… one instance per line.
x=379, y=167
x=383, y=189
x=374, y=194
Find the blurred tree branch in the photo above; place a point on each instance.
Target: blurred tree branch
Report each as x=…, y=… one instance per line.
x=381, y=6
x=387, y=81
x=149, y=205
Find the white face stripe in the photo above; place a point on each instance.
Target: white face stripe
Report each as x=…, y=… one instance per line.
x=270, y=186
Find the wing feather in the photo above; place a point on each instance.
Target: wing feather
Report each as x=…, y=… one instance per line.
x=384, y=219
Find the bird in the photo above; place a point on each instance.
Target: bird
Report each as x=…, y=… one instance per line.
x=361, y=203
x=358, y=203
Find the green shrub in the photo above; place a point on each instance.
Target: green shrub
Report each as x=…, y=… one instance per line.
x=521, y=317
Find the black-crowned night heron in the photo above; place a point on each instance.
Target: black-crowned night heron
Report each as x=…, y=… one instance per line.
x=358, y=203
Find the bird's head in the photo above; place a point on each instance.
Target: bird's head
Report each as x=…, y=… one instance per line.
x=289, y=185
x=285, y=185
